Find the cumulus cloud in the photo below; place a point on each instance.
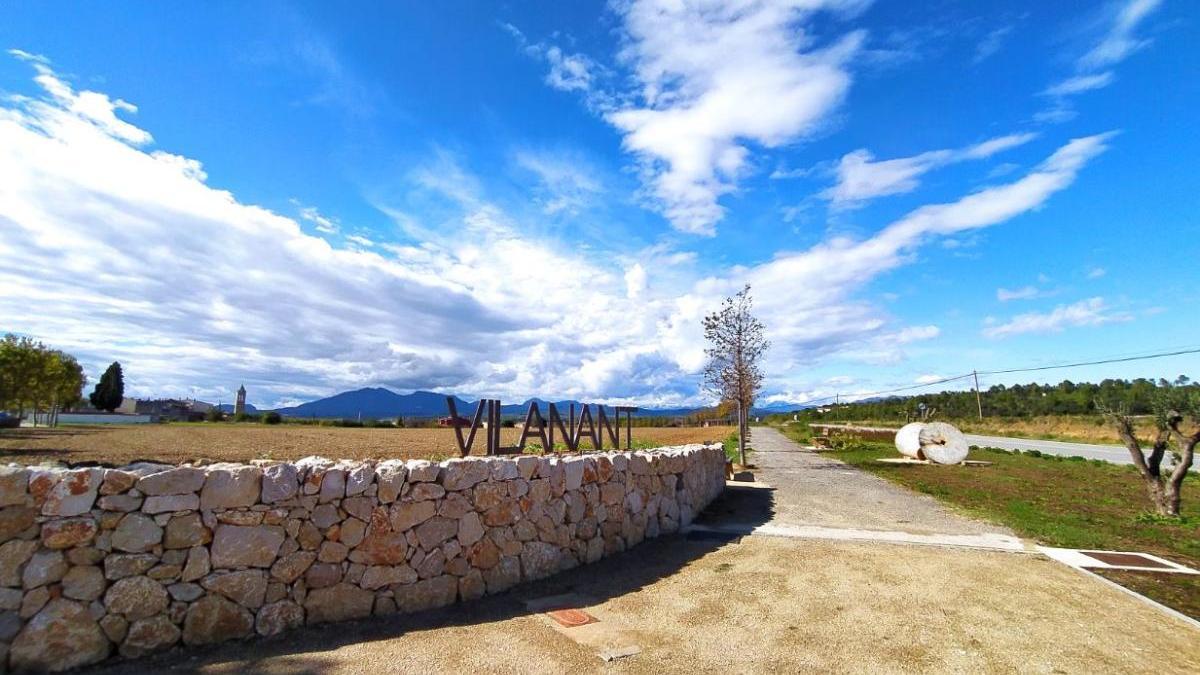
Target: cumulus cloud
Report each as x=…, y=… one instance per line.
x=860, y=178
x=190, y=287
x=1090, y=312
x=715, y=77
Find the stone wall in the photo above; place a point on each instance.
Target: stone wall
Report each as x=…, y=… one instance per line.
x=99, y=562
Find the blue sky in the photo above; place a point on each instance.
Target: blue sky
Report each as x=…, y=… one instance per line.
x=544, y=199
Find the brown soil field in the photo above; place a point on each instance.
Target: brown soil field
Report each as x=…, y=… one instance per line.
x=176, y=443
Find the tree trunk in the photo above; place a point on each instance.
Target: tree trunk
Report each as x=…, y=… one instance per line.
x=741, y=435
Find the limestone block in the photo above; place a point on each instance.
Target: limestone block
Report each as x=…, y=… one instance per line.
x=44, y=567
x=136, y=533
x=74, y=493
x=461, y=474
x=84, y=583
x=228, y=486
x=428, y=594
x=214, y=619
x=171, y=503
x=14, y=485
x=150, y=635
x=378, y=576
x=410, y=514
x=280, y=482
x=61, y=636
x=177, y=481
x=246, y=587
x=338, y=603
x=278, y=617
x=136, y=598
x=390, y=477
x=68, y=532
x=253, y=546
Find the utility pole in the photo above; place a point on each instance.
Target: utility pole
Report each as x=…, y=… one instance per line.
x=978, y=400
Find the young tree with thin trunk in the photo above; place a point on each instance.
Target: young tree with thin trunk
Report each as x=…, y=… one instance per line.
x=736, y=344
x=1177, y=417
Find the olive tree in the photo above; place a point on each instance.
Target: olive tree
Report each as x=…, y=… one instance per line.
x=1177, y=423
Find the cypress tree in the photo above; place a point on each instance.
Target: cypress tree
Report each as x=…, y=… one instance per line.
x=110, y=390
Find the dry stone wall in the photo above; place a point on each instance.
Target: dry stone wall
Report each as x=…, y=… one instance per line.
x=99, y=562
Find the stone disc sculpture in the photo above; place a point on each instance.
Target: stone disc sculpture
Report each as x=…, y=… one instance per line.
x=943, y=443
x=908, y=440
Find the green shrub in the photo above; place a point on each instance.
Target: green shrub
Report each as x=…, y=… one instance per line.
x=272, y=418
x=214, y=415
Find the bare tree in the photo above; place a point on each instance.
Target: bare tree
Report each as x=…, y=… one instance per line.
x=1173, y=407
x=736, y=345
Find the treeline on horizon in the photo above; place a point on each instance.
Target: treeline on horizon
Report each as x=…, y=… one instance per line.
x=1018, y=400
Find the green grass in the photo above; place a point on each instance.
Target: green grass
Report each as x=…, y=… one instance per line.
x=731, y=448
x=1069, y=502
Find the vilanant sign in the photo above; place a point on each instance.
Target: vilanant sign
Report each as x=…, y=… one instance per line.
x=571, y=432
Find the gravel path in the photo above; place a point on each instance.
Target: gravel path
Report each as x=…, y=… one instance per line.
x=812, y=489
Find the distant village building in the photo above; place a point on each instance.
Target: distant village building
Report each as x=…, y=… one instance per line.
x=239, y=408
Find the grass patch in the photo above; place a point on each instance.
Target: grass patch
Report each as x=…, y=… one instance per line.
x=1060, y=501
x=731, y=448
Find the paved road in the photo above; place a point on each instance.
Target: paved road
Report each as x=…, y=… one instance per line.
x=1117, y=454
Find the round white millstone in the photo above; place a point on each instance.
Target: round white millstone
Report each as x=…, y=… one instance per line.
x=943, y=443
x=908, y=440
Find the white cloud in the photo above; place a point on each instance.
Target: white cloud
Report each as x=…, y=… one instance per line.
x=929, y=379
x=1090, y=312
x=715, y=77
x=567, y=184
x=860, y=178
x=360, y=240
x=635, y=281
x=1117, y=41
x=1096, y=272
x=322, y=223
x=568, y=72
x=991, y=43
x=93, y=106
x=1120, y=40
x=1081, y=83
x=1024, y=293
x=190, y=287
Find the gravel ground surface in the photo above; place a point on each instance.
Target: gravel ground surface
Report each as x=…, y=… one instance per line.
x=813, y=489
x=762, y=605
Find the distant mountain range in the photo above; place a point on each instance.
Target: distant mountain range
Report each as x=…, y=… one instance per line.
x=379, y=403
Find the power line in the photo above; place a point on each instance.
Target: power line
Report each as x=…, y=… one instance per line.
x=1092, y=363
x=922, y=385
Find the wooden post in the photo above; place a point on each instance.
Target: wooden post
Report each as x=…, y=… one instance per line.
x=978, y=400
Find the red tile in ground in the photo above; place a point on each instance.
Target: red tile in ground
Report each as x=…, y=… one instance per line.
x=571, y=617
x=1125, y=559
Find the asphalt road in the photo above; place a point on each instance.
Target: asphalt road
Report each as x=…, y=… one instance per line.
x=1117, y=454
